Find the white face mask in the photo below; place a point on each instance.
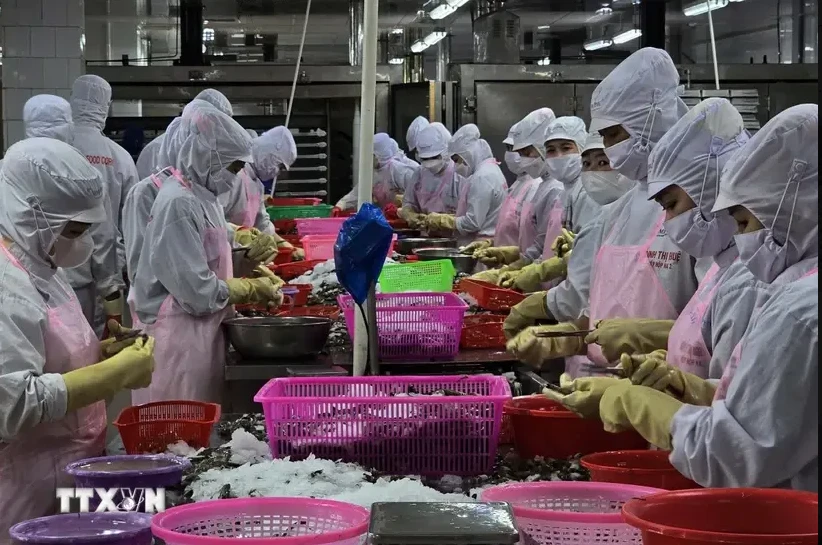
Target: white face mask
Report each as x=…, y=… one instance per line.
x=434, y=166
x=71, y=252
x=630, y=158
x=220, y=182
x=532, y=166
x=565, y=168
x=605, y=186
x=700, y=237
x=512, y=161
x=463, y=170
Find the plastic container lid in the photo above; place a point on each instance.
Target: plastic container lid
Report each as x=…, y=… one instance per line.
x=106, y=466
x=86, y=529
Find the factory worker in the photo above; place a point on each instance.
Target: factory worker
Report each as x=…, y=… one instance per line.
x=602, y=183
x=759, y=427
x=435, y=187
x=183, y=287
x=392, y=171
x=635, y=269
x=481, y=194
x=149, y=160
x=413, y=132
x=54, y=374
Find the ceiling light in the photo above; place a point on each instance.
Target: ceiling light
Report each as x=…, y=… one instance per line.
x=396, y=60
x=446, y=8
x=208, y=34
x=397, y=31
x=627, y=36
x=605, y=10
x=544, y=27
x=421, y=45
x=544, y=61
x=699, y=8
x=593, y=45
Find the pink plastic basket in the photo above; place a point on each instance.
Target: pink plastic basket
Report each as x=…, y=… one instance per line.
x=379, y=422
x=263, y=521
x=413, y=325
x=571, y=513
x=322, y=246
x=319, y=226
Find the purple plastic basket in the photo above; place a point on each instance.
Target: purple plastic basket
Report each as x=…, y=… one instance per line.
x=319, y=226
x=381, y=422
x=413, y=325
x=85, y=529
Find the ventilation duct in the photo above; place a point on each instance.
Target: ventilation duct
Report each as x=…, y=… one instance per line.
x=496, y=36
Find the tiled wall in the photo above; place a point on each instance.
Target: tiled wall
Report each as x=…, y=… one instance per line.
x=42, y=53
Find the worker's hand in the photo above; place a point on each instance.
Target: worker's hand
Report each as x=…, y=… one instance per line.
x=526, y=313
x=535, y=351
x=619, y=336
x=398, y=201
x=136, y=363
x=440, y=222
x=414, y=219
x=261, y=271
x=298, y=254
x=563, y=243
x=113, y=309
x=653, y=371
x=581, y=396
x=491, y=275
x=390, y=211
x=119, y=337
x=650, y=412
x=263, y=248
x=475, y=246
x=337, y=212
x=498, y=255
x=530, y=278
x=259, y=291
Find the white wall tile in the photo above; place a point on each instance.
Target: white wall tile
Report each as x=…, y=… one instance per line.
x=16, y=41
x=30, y=73
x=30, y=12
x=67, y=42
x=15, y=131
x=9, y=13
x=76, y=68
x=65, y=93
x=55, y=14
x=42, y=41
x=10, y=69
x=55, y=73
x=13, y=102
x=75, y=12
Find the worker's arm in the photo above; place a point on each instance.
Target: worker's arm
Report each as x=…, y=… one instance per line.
x=481, y=195
x=106, y=266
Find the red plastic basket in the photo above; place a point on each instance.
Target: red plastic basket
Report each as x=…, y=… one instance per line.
x=284, y=226
x=151, y=427
x=640, y=467
x=290, y=271
x=287, y=304
x=489, y=296
x=301, y=298
x=545, y=428
x=314, y=310
x=294, y=240
x=374, y=421
x=283, y=256
x=398, y=223
x=483, y=331
x=292, y=201
x=728, y=516
x=319, y=226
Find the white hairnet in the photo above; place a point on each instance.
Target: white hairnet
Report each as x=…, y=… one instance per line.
x=275, y=147
x=44, y=184
x=509, y=140
x=646, y=80
x=692, y=153
x=204, y=142
x=432, y=141
x=90, y=100
x=593, y=141
x=467, y=143
x=252, y=133
x=531, y=130
x=216, y=99
x=385, y=147
x=776, y=176
x=48, y=116
x=413, y=132
x=568, y=127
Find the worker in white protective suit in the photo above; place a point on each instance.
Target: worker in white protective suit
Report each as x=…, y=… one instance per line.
x=184, y=286
x=435, y=186
x=392, y=171
x=412, y=134
x=760, y=426
x=149, y=161
x=481, y=194
x=635, y=270
x=54, y=373
x=602, y=183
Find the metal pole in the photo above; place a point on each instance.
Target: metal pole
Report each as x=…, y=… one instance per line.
x=297, y=66
x=355, y=32
x=443, y=58
x=713, y=45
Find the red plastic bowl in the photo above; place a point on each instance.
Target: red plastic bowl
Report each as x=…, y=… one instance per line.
x=545, y=428
x=314, y=310
x=730, y=516
x=640, y=467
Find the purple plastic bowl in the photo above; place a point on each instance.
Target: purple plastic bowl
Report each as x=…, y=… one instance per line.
x=85, y=529
x=155, y=477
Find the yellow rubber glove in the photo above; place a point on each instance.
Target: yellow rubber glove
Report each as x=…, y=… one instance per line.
x=260, y=291
x=440, y=222
x=651, y=370
x=475, y=246
x=582, y=395
x=298, y=254
x=263, y=249
x=130, y=369
x=119, y=338
x=563, y=243
x=530, y=278
x=491, y=275
x=517, y=265
x=398, y=201
x=243, y=236
x=264, y=272
x=619, y=336
x=415, y=220
x=650, y=412
x=498, y=255
x=535, y=351
x=526, y=313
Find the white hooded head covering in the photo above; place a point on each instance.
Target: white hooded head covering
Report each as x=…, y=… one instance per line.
x=216, y=99
x=274, y=148
x=385, y=148
x=509, y=140
x=413, y=132
x=44, y=184
x=776, y=177
x=531, y=130
x=467, y=143
x=48, y=116
x=432, y=141
x=593, y=141
x=568, y=127
x=204, y=143
x=252, y=133
x=90, y=100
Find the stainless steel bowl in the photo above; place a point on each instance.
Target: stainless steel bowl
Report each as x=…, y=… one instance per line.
x=406, y=246
x=242, y=265
x=462, y=263
x=407, y=233
x=278, y=337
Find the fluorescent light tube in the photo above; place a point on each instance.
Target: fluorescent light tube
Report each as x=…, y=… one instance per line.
x=627, y=36
x=396, y=60
x=593, y=45
x=700, y=8
x=544, y=61
x=442, y=11
x=421, y=45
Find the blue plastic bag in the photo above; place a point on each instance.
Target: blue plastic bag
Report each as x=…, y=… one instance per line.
x=360, y=250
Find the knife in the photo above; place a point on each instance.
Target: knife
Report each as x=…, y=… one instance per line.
x=550, y=334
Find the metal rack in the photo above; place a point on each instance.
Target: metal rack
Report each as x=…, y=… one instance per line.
x=746, y=101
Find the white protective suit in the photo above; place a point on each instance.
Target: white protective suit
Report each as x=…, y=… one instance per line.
x=44, y=184
x=762, y=429
x=391, y=177
x=150, y=161
x=245, y=204
x=429, y=191
x=413, y=132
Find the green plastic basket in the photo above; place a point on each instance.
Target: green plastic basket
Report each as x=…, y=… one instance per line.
x=431, y=276
x=291, y=212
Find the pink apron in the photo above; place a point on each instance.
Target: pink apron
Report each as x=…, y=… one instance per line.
x=189, y=351
x=31, y=465
x=432, y=201
x=733, y=361
x=527, y=223
x=554, y=228
x=507, y=232
x=381, y=191
x=624, y=284
x=686, y=346
x=253, y=201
